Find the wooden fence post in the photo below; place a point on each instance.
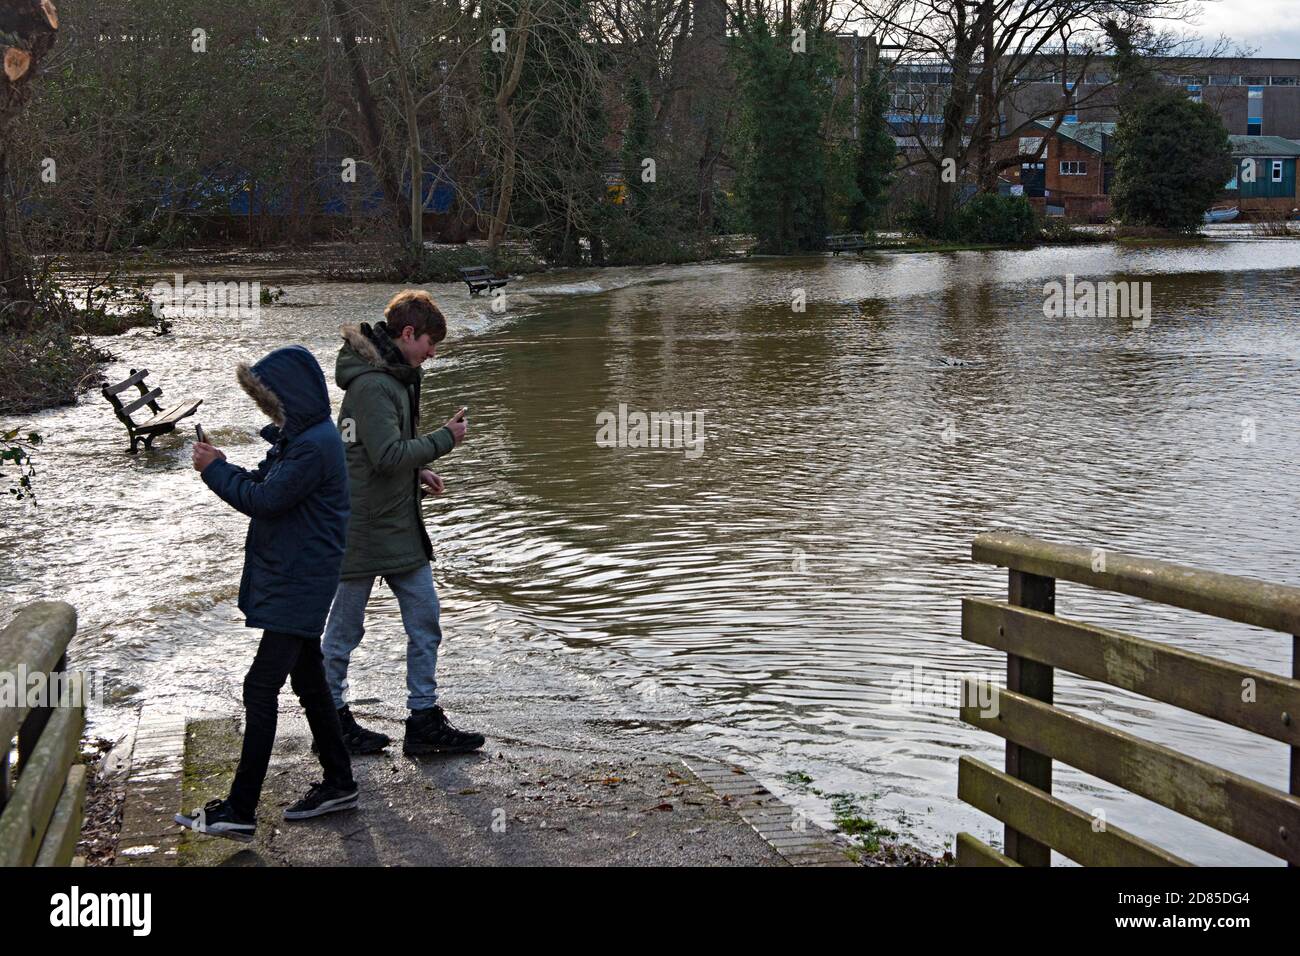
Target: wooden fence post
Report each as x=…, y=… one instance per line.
x=1035, y=680
x=1295, y=751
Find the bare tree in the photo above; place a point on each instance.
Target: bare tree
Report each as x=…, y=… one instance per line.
x=989, y=49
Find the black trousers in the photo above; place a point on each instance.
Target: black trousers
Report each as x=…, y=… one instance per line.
x=299, y=659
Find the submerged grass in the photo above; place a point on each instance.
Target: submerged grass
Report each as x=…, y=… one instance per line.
x=874, y=843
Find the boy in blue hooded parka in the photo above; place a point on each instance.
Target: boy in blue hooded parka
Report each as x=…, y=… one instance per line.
x=297, y=499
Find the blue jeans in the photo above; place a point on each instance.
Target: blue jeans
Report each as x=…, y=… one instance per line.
x=418, y=602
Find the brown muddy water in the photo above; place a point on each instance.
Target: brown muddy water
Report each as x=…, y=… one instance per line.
x=766, y=599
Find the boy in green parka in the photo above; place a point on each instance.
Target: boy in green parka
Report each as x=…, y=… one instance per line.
x=379, y=370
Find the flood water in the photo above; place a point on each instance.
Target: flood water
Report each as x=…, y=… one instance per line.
x=762, y=597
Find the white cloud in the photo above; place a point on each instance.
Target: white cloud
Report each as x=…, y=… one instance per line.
x=1268, y=26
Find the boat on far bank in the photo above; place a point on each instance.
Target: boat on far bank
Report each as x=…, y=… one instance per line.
x=1221, y=214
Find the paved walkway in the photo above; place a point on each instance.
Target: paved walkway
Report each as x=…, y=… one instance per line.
x=564, y=780
x=515, y=804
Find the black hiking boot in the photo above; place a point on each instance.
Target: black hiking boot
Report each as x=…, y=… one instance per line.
x=322, y=798
x=429, y=732
x=218, y=819
x=356, y=738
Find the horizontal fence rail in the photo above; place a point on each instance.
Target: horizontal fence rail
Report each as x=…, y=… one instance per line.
x=41, y=814
x=1275, y=607
x=1037, y=732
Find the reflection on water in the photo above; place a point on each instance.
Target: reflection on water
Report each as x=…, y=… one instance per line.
x=764, y=600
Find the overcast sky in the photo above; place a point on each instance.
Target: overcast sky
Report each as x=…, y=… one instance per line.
x=1270, y=26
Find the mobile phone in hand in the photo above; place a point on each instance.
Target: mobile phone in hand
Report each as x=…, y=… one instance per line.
x=202, y=435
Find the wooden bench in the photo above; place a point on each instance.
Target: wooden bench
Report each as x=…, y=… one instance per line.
x=479, y=278
x=1037, y=732
x=40, y=817
x=850, y=242
x=161, y=422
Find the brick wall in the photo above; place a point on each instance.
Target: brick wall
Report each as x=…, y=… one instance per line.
x=1060, y=149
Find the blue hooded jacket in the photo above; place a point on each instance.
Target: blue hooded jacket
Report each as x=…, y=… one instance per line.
x=297, y=498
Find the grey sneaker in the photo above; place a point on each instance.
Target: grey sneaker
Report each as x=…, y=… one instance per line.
x=322, y=798
x=218, y=819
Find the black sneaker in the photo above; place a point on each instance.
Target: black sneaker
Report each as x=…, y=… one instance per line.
x=356, y=738
x=218, y=819
x=322, y=798
x=429, y=732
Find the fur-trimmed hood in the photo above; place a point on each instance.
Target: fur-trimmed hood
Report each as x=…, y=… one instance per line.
x=289, y=386
x=370, y=349
x=361, y=339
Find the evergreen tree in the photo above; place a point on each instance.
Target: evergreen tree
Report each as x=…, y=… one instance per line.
x=1172, y=159
x=876, y=153
x=785, y=99
x=636, y=143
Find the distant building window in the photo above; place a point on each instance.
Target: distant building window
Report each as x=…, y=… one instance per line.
x=1194, y=92
x=1255, y=111
x=1074, y=167
x=1070, y=115
x=1277, y=170
x=1284, y=81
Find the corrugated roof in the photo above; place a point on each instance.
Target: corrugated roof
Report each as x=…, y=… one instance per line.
x=1086, y=134
x=1264, y=146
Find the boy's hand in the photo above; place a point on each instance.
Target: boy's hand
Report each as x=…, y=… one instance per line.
x=432, y=483
x=204, y=454
x=457, y=425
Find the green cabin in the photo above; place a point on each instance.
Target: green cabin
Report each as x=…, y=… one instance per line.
x=1274, y=160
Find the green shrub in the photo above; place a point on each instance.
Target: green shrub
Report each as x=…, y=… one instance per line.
x=440, y=264
x=998, y=220
x=918, y=219
x=16, y=448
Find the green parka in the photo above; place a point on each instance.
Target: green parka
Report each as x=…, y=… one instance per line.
x=379, y=423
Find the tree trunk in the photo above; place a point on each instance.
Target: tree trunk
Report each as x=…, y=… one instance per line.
x=368, y=112
x=507, y=124
x=954, y=121
x=411, y=115
x=987, y=115
x=34, y=25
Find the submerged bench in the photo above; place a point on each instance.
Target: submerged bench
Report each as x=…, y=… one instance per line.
x=41, y=815
x=161, y=422
x=479, y=278
x=1037, y=732
x=851, y=242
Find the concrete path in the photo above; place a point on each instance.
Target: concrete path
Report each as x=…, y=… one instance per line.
x=516, y=804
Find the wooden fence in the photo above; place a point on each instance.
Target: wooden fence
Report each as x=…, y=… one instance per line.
x=1037, y=642
x=41, y=801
